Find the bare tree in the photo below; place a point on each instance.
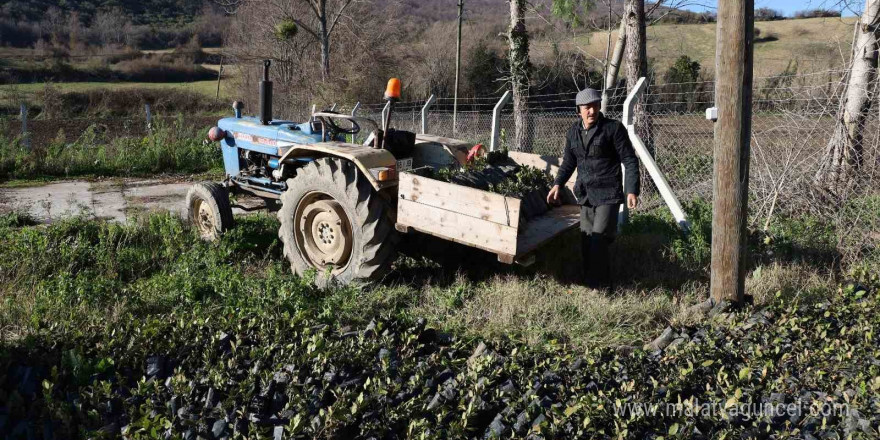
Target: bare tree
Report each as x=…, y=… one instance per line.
x=637, y=65
x=612, y=64
x=520, y=68
x=112, y=26
x=843, y=153
x=318, y=20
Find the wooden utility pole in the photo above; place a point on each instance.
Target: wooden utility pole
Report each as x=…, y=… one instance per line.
x=733, y=133
x=457, y=67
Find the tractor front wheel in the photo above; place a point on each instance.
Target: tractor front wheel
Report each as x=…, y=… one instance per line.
x=208, y=210
x=332, y=220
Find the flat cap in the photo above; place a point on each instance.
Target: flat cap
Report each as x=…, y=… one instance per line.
x=588, y=96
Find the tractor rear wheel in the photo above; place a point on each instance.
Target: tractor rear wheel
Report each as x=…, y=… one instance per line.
x=208, y=210
x=332, y=220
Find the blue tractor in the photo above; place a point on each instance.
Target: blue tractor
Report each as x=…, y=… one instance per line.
x=336, y=198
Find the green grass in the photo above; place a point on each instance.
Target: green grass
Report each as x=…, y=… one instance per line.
x=207, y=88
x=87, y=304
x=171, y=147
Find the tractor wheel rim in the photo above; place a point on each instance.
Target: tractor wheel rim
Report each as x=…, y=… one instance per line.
x=205, y=220
x=324, y=232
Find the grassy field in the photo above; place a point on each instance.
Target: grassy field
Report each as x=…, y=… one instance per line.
x=148, y=330
x=816, y=44
x=207, y=88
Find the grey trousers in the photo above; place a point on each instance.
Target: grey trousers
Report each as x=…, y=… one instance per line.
x=598, y=229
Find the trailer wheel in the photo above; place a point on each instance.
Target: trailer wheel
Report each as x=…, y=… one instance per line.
x=333, y=220
x=208, y=210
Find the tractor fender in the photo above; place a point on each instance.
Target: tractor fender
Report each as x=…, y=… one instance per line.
x=364, y=158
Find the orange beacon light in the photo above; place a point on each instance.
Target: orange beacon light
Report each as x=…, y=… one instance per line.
x=392, y=91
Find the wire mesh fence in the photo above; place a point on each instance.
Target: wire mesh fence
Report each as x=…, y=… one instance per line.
x=793, y=128
x=795, y=124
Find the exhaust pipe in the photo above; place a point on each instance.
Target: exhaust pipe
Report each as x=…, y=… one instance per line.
x=266, y=95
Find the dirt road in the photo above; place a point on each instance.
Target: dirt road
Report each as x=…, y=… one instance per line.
x=115, y=199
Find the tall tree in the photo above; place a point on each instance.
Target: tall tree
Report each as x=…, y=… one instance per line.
x=843, y=153
x=637, y=65
x=520, y=69
x=612, y=65
x=318, y=22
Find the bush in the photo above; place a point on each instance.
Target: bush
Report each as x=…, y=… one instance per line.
x=685, y=70
x=151, y=70
x=768, y=14
x=816, y=13
x=125, y=102
x=169, y=148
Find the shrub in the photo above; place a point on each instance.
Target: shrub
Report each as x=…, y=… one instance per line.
x=816, y=13
x=685, y=70
x=168, y=148
x=152, y=70
x=768, y=14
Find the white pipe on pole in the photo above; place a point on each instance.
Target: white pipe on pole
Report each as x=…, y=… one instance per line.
x=650, y=165
x=425, y=109
x=496, y=114
x=385, y=111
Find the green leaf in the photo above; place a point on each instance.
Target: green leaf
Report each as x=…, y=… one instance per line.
x=673, y=429
x=708, y=363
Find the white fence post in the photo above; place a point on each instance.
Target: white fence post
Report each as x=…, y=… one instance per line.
x=149, y=116
x=25, y=138
x=425, y=109
x=496, y=123
x=385, y=111
x=650, y=165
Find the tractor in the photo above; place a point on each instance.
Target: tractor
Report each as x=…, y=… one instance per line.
x=342, y=205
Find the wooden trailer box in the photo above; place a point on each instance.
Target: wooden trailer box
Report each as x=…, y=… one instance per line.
x=479, y=218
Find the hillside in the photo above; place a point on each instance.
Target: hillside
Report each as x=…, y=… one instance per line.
x=140, y=12
x=816, y=44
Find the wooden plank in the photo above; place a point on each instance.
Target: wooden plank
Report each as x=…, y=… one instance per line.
x=457, y=227
x=542, y=229
x=470, y=202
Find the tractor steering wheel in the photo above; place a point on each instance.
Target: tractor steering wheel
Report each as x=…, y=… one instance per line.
x=328, y=119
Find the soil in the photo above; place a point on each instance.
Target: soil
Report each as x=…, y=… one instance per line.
x=115, y=199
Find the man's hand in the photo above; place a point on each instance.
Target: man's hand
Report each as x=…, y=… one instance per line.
x=553, y=195
x=632, y=201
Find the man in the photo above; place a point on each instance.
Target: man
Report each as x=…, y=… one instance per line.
x=597, y=146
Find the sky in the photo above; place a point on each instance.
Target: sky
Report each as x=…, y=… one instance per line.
x=789, y=7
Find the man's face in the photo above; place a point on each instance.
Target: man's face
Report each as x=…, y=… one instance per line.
x=589, y=113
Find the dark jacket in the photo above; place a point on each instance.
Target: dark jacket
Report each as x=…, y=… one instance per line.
x=599, y=176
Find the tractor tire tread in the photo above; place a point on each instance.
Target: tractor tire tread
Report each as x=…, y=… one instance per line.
x=377, y=236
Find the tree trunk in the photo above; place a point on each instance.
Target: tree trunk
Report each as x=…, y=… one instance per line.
x=613, y=64
x=637, y=66
x=325, y=42
x=843, y=154
x=519, y=74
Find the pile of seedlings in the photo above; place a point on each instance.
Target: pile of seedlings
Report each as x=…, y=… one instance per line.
x=792, y=370
x=496, y=172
